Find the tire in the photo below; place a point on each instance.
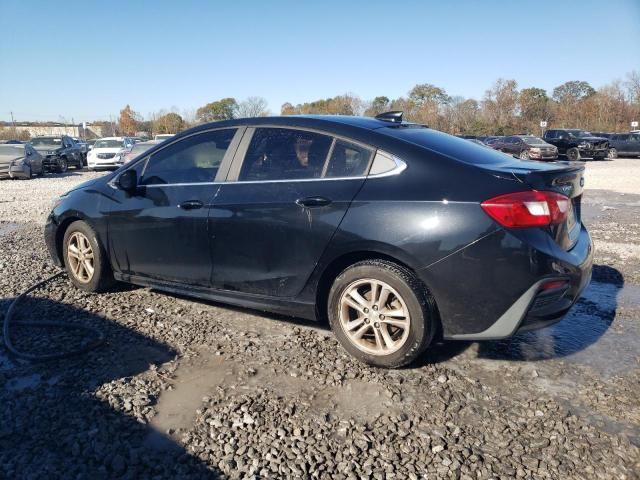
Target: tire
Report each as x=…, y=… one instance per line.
x=524, y=155
x=80, y=234
x=29, y=175
x=405, y=294
x=62, y=165
x=612, y=154
x=573, y=154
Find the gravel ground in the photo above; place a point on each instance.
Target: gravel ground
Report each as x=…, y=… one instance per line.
x=185, y=388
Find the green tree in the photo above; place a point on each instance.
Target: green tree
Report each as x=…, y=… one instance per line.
x=168, y=123
x=225, y=109
x=426, y=93
x=572, y=91
x=535, y=106
x=378, y=105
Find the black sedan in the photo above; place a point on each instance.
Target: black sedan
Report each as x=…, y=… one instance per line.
x=393, y=231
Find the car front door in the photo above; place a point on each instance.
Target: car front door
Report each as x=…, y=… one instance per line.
x=286, y=194
x=160, y=232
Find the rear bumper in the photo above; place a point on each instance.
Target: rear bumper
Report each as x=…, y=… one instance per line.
x=502, y=293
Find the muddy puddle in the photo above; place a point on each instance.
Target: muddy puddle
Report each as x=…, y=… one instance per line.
x=590, y=335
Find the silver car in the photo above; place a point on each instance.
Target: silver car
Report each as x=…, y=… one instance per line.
x=20, y=161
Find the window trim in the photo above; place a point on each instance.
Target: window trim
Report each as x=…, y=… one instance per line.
x=243, y=137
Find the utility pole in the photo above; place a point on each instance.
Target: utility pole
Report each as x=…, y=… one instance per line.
x=12, y=120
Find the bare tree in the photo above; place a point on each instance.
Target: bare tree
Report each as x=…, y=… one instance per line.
x=253, y=107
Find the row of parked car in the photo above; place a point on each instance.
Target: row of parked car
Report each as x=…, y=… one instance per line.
x=58, y=153
x=575, y=144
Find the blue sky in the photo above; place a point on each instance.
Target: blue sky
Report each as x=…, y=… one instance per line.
x=86, y=60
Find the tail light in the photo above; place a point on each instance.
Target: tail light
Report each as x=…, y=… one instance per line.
x=528, y=209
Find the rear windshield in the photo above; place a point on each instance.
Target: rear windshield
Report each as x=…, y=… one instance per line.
x=108, y=144
x=46, y=141
x=533, y=141
x=458, y=148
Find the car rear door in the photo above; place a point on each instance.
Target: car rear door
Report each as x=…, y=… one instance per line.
x=633, y=144
x=287, y=192
x=161, y=232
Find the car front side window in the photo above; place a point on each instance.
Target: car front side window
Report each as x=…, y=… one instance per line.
x=285, y=154
x=195, y=159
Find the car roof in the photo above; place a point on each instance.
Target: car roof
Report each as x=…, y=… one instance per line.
x=330, y=123
x=111, y=138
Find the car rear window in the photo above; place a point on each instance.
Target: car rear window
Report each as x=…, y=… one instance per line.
x=458, y=148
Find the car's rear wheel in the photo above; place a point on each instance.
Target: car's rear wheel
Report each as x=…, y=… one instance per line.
x=573, y=154
x=62, y=165
x=85, y=260
x=524, y=155
x=612, y=154
x=380, y=312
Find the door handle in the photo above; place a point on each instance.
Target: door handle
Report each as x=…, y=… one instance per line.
x=191, y=205
x=311, y=202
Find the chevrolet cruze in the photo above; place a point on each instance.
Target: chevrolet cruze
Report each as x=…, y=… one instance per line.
x=394, y=232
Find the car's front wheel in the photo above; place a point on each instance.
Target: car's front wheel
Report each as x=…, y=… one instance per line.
x=84, y=259
x=381, y=313
x=612, y=154
x=524, y=155
x=573, y=154
x=62, y=165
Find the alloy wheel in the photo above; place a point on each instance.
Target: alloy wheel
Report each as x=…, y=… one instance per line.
x=613, y=153
x=80, y=257
x=524, y=155
x=374, y=317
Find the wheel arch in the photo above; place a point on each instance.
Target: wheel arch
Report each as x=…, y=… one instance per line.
x=63, y=225
x=333, y=268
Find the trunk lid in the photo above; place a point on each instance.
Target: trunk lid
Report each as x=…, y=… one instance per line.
x=566, y=178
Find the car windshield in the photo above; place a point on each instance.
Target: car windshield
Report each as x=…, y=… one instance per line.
x=47, y=142
x=580, y=133
x=108, y=144
x=138, y=148
x=533, y=141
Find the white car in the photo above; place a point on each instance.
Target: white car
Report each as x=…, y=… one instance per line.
x=108, y=152
x=162, y=137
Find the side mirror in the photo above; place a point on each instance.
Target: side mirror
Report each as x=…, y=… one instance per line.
x=128, y=181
